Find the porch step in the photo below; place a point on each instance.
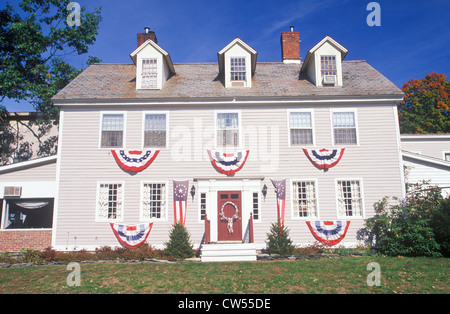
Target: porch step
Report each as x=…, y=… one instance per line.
x=228, y=252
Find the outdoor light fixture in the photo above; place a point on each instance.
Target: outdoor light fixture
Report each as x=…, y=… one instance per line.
x=264, y=191
x=192, y=191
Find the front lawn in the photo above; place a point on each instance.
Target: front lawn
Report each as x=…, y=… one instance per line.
x=329, y=275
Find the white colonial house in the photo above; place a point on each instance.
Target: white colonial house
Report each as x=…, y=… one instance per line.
x=226, y=148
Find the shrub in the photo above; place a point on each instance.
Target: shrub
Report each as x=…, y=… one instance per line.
x=179, y=245
x=279, y=241
x=441, y=226
x=405, y=227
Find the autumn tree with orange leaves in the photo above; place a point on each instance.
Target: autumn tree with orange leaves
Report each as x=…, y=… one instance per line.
x=426, y=105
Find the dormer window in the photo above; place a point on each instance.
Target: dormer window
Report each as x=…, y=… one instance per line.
x=149, y=73
x=323, y=63
x=153, y=64
x=327, y=65
x=237, y=64
x=237, y=69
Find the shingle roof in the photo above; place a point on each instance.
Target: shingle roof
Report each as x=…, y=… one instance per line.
x=202, y=80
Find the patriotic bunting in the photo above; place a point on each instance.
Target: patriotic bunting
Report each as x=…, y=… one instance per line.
x=180, y=194
x=228, y=164
x=134, y=160
x=131, y=236
x=280, y=189
x=328, y=232
x=324, y=158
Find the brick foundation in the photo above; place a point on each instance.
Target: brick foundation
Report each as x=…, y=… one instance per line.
x=14, y=240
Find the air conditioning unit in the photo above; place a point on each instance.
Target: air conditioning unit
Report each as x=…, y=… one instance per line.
x=238, y=83
x=329, y=79
x=13, y=191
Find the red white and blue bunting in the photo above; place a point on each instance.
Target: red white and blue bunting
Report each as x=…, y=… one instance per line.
x=328, y=232
x=134, y=160
x=226, y=163
x=324, y=158
x=132, y=236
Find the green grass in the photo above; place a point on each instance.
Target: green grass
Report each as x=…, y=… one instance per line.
x=331, y=275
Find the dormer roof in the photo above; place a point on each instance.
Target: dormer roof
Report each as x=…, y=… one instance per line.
x=165, y=54
x=309, y=56
x=240, y=42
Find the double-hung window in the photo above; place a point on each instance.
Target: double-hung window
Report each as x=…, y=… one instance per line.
x=304, y=199
x=237, y=69
x=154, y=201
x=109, y=201
x=344, y=127
x=301, y=128
x=149, y=73
x=349, y=198
x=227, y=129
x=327, y=65
x=112, y=130
x=155, y=130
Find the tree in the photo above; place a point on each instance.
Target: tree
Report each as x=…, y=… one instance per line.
x=426, y=105
x=34, y=37
x=179, y=244
x=279, y=241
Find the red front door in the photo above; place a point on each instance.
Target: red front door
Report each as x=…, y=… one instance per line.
x=229, y=216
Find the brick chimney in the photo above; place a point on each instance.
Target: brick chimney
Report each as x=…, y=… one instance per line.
x=143, y=37
x=290, y=46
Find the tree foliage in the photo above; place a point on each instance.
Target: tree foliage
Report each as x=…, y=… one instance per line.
x=34, y=38
x=426, y=105
x=179, y=245
x=278, y=240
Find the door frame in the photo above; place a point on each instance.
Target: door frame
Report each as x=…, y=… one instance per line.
x=211, y=186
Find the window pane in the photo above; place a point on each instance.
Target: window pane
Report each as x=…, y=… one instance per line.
x=112, y=130
x=28, y=213
x=155, y=138
x=155, y=130
x=304, y=199
x=228, y=138
x=202, y=206
x=301, y=136
x=255, y=207
x=155, y=122
x=349, y=198
x=228, y=129
x=110, y=201
x=237, y=69
x=344, y=119
x=300, y=120
x=345, y=136
x=112, y=139
x=149, y=73
x=112, y=122
x=227, y=121
x=154, y=201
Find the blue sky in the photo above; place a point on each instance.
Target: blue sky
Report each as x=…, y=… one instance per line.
x=413, y=39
